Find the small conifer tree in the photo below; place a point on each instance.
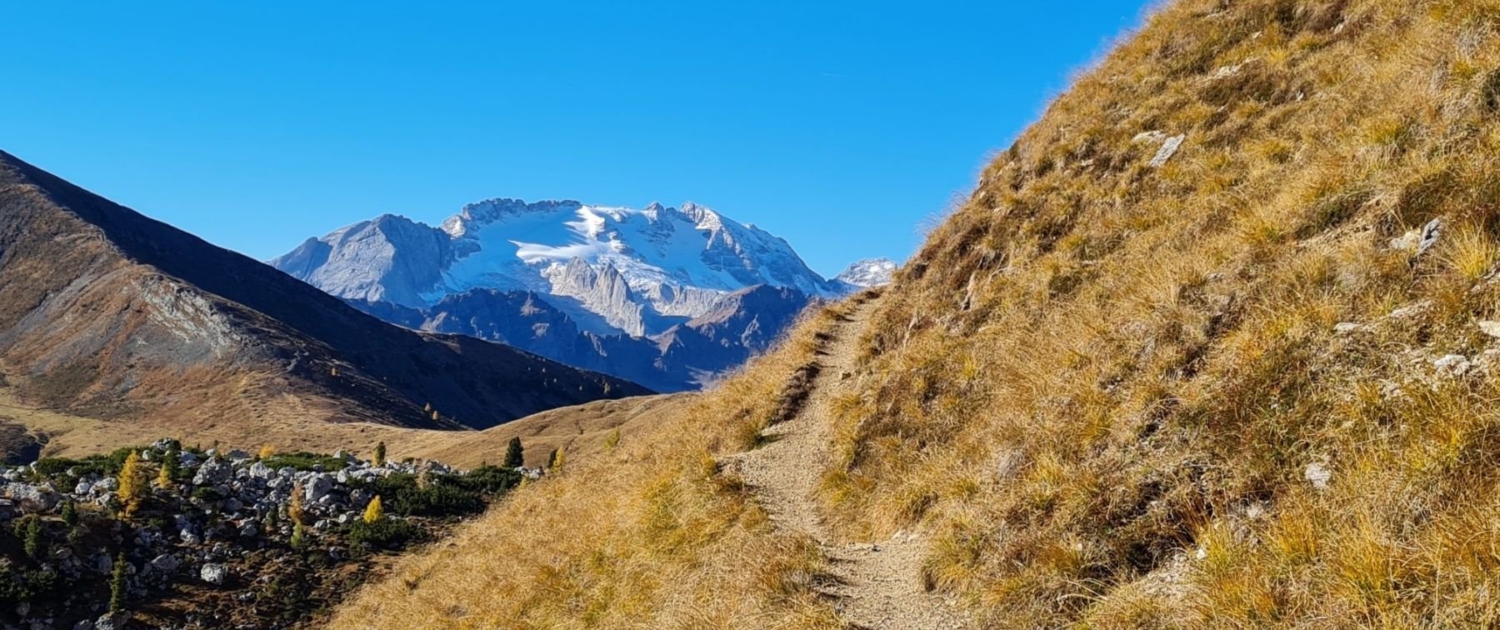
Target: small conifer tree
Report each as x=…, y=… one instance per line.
x=552, y=459
x=612, y=440
x=70, y=513
x=34, y=546
x=299, y=535
x=171, y=464
x=294, y=509
x=132, y=488
x=379, y=453
x=515, y=456
x=117, y=586
x=270, y=523
x=558, y=457
x=374, y=513
x=265, y=453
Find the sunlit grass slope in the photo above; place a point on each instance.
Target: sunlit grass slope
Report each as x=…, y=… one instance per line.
x=1213, y=393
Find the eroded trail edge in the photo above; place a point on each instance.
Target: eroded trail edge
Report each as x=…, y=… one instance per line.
x=878, y=586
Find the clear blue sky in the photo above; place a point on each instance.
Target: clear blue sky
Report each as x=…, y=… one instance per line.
x=838, y=125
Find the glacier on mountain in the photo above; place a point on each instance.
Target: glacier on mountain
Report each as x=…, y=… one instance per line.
x=611, y=269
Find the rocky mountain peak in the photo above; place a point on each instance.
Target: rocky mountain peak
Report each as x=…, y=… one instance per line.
x=870, y=272
x=482, y=213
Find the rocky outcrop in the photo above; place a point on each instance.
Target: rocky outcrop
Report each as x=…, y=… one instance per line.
x=390, y=259
x=602, y=291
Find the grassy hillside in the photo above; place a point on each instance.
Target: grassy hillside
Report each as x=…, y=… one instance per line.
x=1158, y=367
x=1246, y=382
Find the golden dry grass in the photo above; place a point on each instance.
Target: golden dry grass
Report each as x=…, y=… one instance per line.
x=1152, y=357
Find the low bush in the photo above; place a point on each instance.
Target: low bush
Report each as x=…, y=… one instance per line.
x=387, y=533
x=303, y=461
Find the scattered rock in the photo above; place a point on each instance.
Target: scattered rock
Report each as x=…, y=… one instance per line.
x=166, y=563
x=103, y=564
x=116, y=621
x=1430, y=235
x=317, y=487
x=1490, y=328
x=1345, y=328
x=31, y=497
x=261, y=471
x=1411, y=310
x=214, y=573
x=213, y=471
x=1168, y=149
x=1453, y=365
x=1419, y=241
x=1318, y=475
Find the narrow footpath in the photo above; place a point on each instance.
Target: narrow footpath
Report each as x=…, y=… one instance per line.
x=879, y=586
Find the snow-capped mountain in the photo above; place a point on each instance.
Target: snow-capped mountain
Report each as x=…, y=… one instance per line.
x=610, y=269
x=870, y=272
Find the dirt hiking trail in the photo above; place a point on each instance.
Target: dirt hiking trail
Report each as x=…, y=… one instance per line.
x=878, y=586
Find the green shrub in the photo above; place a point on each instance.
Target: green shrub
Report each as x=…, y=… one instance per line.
x=489, y=480
x=444, y=495
x=304, y=461
x=27, y=585
x=385, y=533
x=207, y=494
x=437, y=500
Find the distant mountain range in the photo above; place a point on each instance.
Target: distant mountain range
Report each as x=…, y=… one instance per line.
x=665, y=297
x=111, y=314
